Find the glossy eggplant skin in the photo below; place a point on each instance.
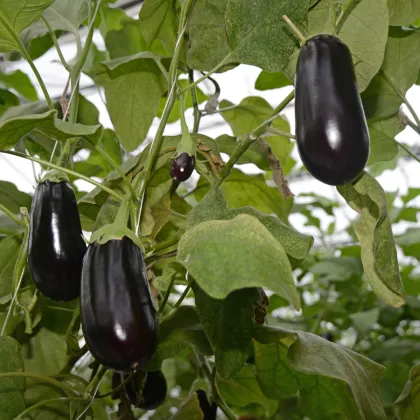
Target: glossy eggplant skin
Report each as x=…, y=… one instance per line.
x=331, y=129
x=56, y=247
x=119, y=319
x=182, y=167
x=151, y=396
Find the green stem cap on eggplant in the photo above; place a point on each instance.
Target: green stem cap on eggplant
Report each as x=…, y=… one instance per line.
x=331, y=129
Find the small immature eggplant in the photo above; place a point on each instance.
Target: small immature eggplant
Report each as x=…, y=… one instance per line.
x=182, y=167
x=151, y=396
x=331, y=130
x=56, y=247
x=119, y=319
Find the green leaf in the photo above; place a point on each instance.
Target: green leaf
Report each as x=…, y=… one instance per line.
x=9, y=250
x=373, y=229
x=337, y=269
x=11, y=389
x=243, y=391
x=7, y=100
x=36, y=392
x=363, y=321
x=13, y=129
x=244, y=118
x=190, y=410
x=159, y=21
x=407, y=404
x=21, y=83
x=12, y=198
x=126, y=41
x=266, y=81
x=227, y=255
x=214, y=207
x=230, y=336
x=207, y=35
x=333, y=382
x=401, y=67
x=16, y=16
x=112, y=19
x=181, y=329
x=365, y=31
x=133, y=87
x=409, y=242
x=383, y=147
x=258, y=34
x=403, y=12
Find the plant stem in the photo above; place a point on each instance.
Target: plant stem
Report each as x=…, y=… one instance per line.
x=157, y=142
x=281, y=133
x=402, y=96
x=218, y=398
x=56, y=44
x=76, y=377
x=413, y=126
x=343, y=14
x=246, y=141
x=28, y=59
x=45, y=402
x=67, y=171
x=120, y=386
x=197, y=113
x=166, y=244
x=117, y=168
x=407, y=150
x=294, y=28
x=6, y=211
x=53, y=382
x=167, y=294
x=94, y=383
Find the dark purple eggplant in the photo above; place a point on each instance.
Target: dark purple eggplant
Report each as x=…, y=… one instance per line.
x=209, y=409
x=331, y=129
x=182, y=167
x=56, y=247
x=148, y=396
x=119, y=319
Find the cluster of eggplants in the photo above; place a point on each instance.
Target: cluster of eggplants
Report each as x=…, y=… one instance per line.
x=119, y=319
x=147, y=396
x=56, y=247
x=331, y=131
x=118, y=316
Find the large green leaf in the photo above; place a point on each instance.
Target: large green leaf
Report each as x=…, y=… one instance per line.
x=159, y=21
x=11, y=389
x=383, y=147
x=12, y=198
x=333, y=382
x=21, y=83
x=243, y=392
x=230, y=336
x=13, y=129
x=9, y=249
x=190, y=409
x=258, y=34
x=398, y=73
x=181, y=329
x=15, y=16
x=403, y=12
x=133, y=87
x=207, y=35
x=214, y=207
x=64, y=15
x=227, y=255
x=365, y=31
x=373, y=229
x=407, y=404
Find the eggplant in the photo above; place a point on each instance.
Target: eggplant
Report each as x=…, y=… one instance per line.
x=56, y=247
x=148, y=396
x=182, y=167
x=209, y=409
x=119, y=319
x=331, y=130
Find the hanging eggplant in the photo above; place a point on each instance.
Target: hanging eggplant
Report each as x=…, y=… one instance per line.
x=331, y=130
